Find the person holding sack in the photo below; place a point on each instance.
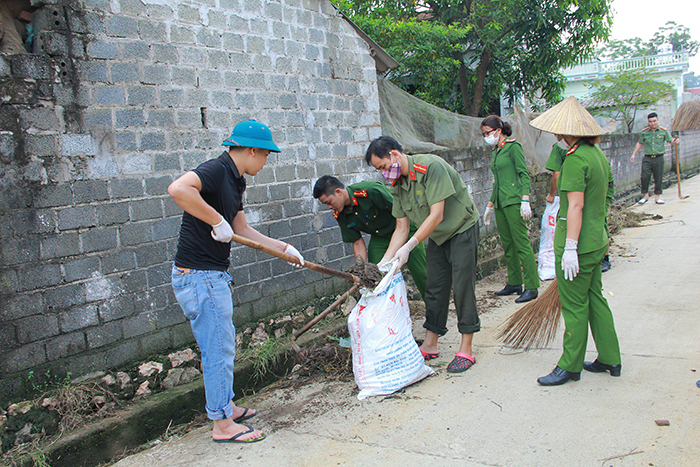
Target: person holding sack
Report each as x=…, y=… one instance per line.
x=580, y=243
x=510, y=202
x=430, y=193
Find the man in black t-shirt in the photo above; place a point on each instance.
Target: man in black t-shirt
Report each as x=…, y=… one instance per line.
x=211, y=196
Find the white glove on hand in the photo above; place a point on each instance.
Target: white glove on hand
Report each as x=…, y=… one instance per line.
x=222, y=232
x=487, y=215
x=290, y=250
x=401, y=255
x=569, y=260
x=525, y=210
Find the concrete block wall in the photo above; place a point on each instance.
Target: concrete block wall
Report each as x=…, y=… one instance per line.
x=120, y=98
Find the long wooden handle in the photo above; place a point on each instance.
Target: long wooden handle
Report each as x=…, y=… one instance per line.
x=294, y=259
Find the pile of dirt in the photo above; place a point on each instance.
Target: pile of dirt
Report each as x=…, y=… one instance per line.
x=621, y=217
x=368, y=273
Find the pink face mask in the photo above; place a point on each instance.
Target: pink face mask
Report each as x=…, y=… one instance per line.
x=393, y=173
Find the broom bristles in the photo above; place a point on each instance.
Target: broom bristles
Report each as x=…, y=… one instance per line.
x=535, y=324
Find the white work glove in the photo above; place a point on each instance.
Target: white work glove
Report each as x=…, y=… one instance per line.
x=401, y=256
x=222, y=232
x=383, y=262
x=525, y=210
x=290, y=250
x=487, y=215
x=569, y=260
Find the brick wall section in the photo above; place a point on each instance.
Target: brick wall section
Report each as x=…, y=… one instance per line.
x=121, y=98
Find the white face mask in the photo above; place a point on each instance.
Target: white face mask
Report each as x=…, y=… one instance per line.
x=563, y=144
x=491, y=139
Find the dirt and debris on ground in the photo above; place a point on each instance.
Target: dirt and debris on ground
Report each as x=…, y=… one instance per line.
x=368, y=273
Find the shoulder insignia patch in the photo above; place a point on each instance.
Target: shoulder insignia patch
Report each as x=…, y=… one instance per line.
x=354, y=201
x=335, y=214
x=645, y=128
x=420, y=168
x=662, y=127
x=572, y=149
x=360, y=193
x=412, y=175
x=512, y=140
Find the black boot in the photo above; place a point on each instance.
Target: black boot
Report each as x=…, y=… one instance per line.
x=606, y=264
x=557, y=377
x=510, y=290
x=528, y=294
x=597, y=367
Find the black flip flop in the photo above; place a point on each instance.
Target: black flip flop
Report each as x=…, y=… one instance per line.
x=245, y=416
x=234, y=438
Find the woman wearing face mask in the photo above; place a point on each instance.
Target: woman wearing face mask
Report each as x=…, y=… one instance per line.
x=580, y=243
x=510, y=202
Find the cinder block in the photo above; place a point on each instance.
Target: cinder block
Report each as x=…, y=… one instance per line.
x=146, y=209
x=181, y=34
x=65, y=346
x=24, y=357
x=159, y=274
x=208, y=38
x=98, y=118
x=118, y=261
x=157, y=342
x=152, y=254
x=106, y=334
x=79, y=318
x=74, y=218
x=125, y=188
x=53, y=43
x=64, y=296
x=160, y=118
x=164, y=53
x=108, y=95
x=74, y=145
x=172, y=97
x=80, y=269
x=59, y=246
x=152, y=142
x=87, y=191
x=121, y=26
x=130, y=118
x=30, y=66
x=40, y=146
x=36, y=327
x=166, y=162
x=132, y=7
x=138, y=325
x=102, y=50
x=99, y=239
x=218, y=59
x=152, y=31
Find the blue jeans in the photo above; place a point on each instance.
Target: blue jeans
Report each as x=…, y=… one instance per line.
x=205, y=298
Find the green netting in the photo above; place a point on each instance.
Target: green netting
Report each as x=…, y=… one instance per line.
x=421, y=127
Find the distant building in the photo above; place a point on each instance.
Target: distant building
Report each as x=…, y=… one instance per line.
x=666, y=67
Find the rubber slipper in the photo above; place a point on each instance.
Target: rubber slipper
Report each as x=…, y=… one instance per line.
x=234, y=438
x=642, y=201
x=429, y=355
x=245, y=416
x=660, y=201
x=462, y=362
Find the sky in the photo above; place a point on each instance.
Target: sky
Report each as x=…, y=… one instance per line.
x=642, y=18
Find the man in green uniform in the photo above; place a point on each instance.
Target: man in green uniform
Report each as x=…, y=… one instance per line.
x=430, y=193
x=366, y=207
x=654, y=139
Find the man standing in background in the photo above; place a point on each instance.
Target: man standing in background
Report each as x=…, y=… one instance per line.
x=654, y=139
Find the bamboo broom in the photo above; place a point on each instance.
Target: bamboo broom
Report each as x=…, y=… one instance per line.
x=535, y=324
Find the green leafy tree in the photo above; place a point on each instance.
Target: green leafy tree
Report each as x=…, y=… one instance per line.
x=671, y=33
x=483, y=49
x=622, y=95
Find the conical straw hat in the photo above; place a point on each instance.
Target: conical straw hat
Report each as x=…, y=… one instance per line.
x=568, y=117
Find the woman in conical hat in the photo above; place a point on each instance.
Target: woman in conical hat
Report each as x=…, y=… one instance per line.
x=580, y=243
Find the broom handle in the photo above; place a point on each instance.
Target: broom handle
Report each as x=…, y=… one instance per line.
x=678, y=170
x=294, y=259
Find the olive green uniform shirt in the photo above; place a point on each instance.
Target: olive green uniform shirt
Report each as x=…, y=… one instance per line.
x=585, y=169
x=511, y=179
x=654, y=141
x=556, y=158
x=431, y=180
x=370, y=212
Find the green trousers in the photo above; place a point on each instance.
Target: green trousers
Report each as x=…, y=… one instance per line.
x=516, y=247
x=582, y=302
x=452, y=270
x=652, y=166
x=416, y=260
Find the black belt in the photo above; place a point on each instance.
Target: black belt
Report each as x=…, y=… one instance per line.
x=655, y=155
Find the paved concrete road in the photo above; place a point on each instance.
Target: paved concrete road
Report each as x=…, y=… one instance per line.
x=495, y=414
